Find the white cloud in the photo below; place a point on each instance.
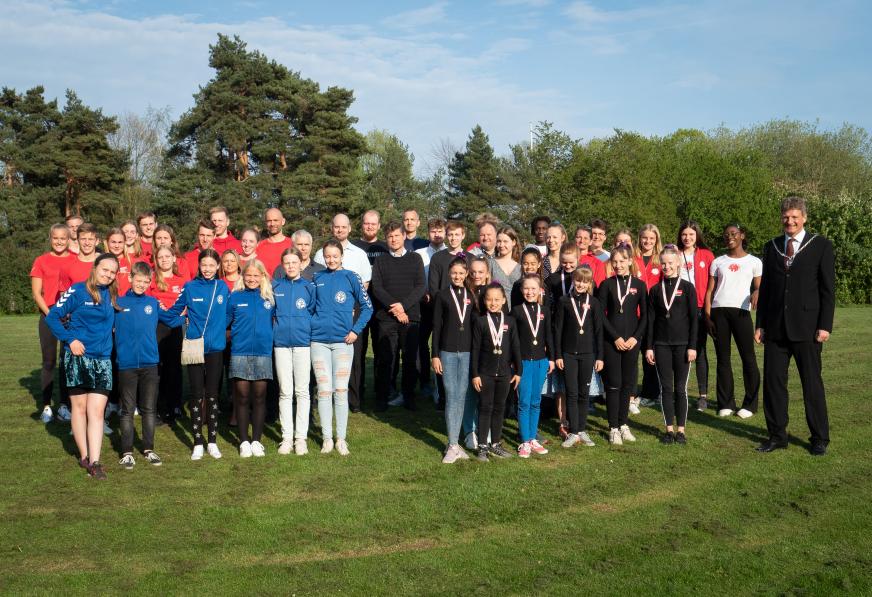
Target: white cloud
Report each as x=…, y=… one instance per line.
x=525, y=3
x=585, y=14
x=420, y=17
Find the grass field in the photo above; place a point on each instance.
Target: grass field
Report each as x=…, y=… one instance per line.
x=714, y=517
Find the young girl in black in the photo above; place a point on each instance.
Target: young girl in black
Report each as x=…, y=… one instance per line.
x=624, y=298
x=578, y=350
x=495, y=367
x=672, y=329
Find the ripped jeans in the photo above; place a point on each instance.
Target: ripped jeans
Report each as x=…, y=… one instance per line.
x=332, y=365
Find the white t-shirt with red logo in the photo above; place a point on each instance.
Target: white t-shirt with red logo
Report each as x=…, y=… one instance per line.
x=733, y=278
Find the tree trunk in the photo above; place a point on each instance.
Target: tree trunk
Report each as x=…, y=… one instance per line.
x=9, y=176
x=242, y=168
x=283, y=161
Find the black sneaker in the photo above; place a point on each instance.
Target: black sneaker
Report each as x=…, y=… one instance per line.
x=152, y=458
x=680, y=438
x=702, y=404
x=96, y=471
x=667, y=438
x=499, y=451
x=481, y=456
x=127, y=462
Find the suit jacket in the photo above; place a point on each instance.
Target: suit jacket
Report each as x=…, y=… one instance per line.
x=795, y=302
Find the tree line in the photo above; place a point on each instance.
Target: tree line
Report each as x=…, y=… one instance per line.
x=261, y=135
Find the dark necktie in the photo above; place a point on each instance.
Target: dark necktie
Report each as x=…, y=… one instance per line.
x=789, y=253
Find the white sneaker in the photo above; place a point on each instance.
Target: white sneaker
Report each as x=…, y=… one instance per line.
x=634, y=409
x=471, y=441
x=615, y=437
x=725, y=412
x=300, y=447
x=342, y=447
x=64, y=415
x=327, y=446
x=585, y=439
x=626, y=434
x=398, y=401
x=571, y=440
x=107, y=430
x=197, y=454
x=744, y=413
x=286, y=447
x=213, y=450
x=245, y=450
x=257, y=449
x=648, y=402
x=46, y=415
x=136, y=412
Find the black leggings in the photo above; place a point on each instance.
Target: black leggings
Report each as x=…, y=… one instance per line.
x=491, y=406
x=577, y=371
x=250, y=395
x=169, y=347
x=204, y=381
x=729, y=320
x=620, y=373
x=673, y=371
x=701, y=358
x=48, y=345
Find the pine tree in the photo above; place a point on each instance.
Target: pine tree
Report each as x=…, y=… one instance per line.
x=474, y=185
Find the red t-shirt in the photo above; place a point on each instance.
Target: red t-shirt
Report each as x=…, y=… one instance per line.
x=230, y=283
x=80, y=270
x=270, y=253
x=192, y=261
x=146, y=248
x=167, y=298
x=54, y=271
x=597, y=267
x=230, y=242
x=123, y=277
x=650, y=274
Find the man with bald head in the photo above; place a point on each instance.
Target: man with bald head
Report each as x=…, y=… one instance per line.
x=269, y=250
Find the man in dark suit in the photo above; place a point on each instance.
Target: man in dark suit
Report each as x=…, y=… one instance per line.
x=794, y=318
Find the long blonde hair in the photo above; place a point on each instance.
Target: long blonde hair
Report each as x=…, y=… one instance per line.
x=266, y=291
x=658, y=244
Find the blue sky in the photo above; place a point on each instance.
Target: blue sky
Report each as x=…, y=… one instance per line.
x=429, y=71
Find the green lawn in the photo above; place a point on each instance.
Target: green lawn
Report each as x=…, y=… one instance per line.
x=714, y=517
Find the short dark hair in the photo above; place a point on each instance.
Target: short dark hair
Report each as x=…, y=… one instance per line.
x=392, y=226
x=206, y=224
x=435, y=223
x=145, y=214
x=597, y=223
x=538, y=219
x=140, y=268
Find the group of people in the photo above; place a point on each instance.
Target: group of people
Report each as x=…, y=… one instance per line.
x=564, y=319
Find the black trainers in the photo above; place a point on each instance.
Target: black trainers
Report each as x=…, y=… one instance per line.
x=481, y=456
x=127, y=462
x=668, y=438
x=152, y=458
x=499, y=451
x=680, y=438
x=702, y=404
x=96, y=471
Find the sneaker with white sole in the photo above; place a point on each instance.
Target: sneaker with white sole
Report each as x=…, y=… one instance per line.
x=702, y=404
x=327, y=446
x=300, y=447
x=537, y=448
x=571, y=440
x=152, y=458
x=725, y=412
x=286, y=447
x=107, y=430
x=213, y=450
x=649, y=402
x=626, y=434
x=634, y=408
x=471, y=441
x=197, y=454
x=64, y=415
x=245, y=450
x=452, y=454
x=499, y=451
x=615, y=437
x=127, y=462
x=342, y=447
x=257, y=449
x=585, y=439
x=46, y=415
x=744, y=413
x=398, y=401
x=524, y=450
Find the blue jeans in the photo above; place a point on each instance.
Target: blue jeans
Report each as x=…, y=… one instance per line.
x=332, y=365
x=530, y=397
x=460, y=402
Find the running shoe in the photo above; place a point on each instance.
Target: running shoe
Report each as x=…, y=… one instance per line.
x=46, y=415
x=257, y=449
x=64, y=415
x=96, y=471
x=537, y=448
x=585, y=439
x=342, y=447
x=524, y=450
x=286, y=447
x=152, y=458
x=197, y=454
x=245, y=450
x=300, y=447
x=571, y=440
x=615, y=437
x=626, y=434
x=327, y=446
x=213, y=450
x=127, y=461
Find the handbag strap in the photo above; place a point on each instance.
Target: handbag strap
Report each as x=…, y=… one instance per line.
x=209, y=312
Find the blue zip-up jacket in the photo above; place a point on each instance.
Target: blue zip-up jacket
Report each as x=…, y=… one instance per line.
x=250, y=318
x=195, y=296
x=90, y=323
x=336, y=293
x=295, y=306
x=136, y=330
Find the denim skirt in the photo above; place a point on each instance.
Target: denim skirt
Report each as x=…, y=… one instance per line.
x=251, y=368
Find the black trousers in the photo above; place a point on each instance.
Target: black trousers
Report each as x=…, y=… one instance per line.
x=138, y=388
x=357, y=380
x=491, y=406
x=650, y=385
x=621, y=369
x=673, y=371
x=701, y=356
x=776, y=361
x=249, y=397
x=737, y=323
x=169, y=347
x=577, y=371
x=204, y=380
x=396, y=340
x=48, y=345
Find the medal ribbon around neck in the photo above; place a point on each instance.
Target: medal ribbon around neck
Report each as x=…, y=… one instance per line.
x=461, y=313
x=621, y=299
x=580, y=318
x=674, y=294
x=496, y=337
x=530, y=323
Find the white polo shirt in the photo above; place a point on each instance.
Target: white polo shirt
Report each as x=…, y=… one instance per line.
x=353, y=259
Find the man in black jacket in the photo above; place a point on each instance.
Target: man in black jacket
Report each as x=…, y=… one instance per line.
x=397, y=288
x=794, y=318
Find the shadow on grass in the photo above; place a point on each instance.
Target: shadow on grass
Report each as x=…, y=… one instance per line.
x=735, y=426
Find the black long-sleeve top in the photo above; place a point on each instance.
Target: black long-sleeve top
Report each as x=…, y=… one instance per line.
x=447, y=334
x=483, y=361
x=681, y=325
x=438, y=278
x=544, y=347
x=566, y=336
x=555, y=288
x=398, y=280
x=627, y=324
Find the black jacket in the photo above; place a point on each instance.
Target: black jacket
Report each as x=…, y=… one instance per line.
x=566, y=336
x=544, y=347
x=447, y=334
x=483, y=361
x=680, y=327
x=627, y=324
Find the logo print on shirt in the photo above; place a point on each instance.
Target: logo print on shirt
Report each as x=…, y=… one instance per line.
x=654, y=271
x=734, y=267
x=340, y=297
x=220, y=298
x=267, y=305
x=301, y=303
x=148, y=309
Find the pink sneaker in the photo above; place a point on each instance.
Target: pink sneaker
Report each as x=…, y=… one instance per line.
x=524, y=450
x=537, y=448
